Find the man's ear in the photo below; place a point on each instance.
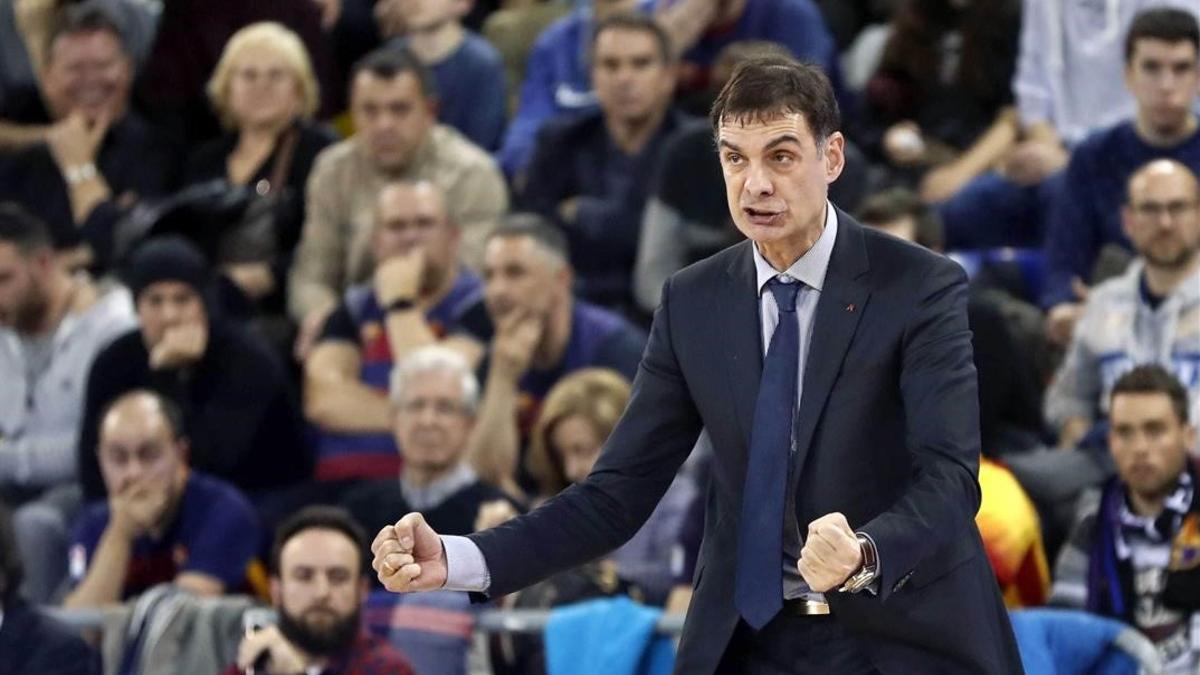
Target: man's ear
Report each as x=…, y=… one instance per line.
x=835, y=156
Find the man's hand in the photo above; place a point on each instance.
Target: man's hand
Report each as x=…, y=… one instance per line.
x=180, y=346
x=1061, y=319
x=831, y=553
x=285, y=657
x=310, y=329
x=138, y=508
x=254, y=279
x=903, y=144
x=399, y=277
x=517, y=338
x=75, y=140
x=409, y=556
x=1031, y=162
x=493, y=513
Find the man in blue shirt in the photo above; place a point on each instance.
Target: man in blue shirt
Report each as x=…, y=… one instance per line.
x=591, y=174
x=542, y=334
x=161, y=522
x=1162, y=69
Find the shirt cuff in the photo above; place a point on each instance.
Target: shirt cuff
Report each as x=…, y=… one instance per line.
x=466, y=570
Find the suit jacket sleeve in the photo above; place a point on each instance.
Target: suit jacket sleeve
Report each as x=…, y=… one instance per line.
x=941, y=407
x=637, y=465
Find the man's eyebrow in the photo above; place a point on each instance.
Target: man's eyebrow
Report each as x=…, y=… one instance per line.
x=778, y=140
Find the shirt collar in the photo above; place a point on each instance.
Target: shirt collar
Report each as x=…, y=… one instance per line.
x=811, y=266
x=431, y=496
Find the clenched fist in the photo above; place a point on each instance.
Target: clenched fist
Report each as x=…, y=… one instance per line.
x=831, y=553
x=409, y=556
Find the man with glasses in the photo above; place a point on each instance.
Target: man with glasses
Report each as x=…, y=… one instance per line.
x=1150, y=314
x=435, y=397
x=1162, y=71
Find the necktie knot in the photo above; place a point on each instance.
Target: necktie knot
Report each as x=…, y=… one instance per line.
x=785, y=293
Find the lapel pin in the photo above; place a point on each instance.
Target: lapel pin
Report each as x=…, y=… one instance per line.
x=850, y=307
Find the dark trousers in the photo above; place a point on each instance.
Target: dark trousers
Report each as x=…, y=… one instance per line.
x=795, y=645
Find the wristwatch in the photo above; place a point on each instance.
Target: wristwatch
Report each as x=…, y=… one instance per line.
x=400, y=305
x=870, y=566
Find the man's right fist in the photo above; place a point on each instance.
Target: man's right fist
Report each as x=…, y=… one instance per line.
x=409, y=556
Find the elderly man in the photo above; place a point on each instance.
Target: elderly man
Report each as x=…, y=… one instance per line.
x=543, y=333
x=420, y=295
x=435, y=398
x=398, y=137
x=99, y=158
x=162, y=522
x=318, y=586
x=1128, y=556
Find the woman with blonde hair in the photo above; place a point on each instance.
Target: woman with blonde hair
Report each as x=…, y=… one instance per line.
x=575, y=420
x=265, y=93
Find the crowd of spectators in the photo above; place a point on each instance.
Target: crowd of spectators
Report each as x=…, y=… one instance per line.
x=273, y=274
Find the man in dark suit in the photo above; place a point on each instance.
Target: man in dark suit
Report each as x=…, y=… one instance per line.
x=860, y=424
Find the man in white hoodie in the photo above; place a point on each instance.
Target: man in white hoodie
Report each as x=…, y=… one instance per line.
x=1150, y=314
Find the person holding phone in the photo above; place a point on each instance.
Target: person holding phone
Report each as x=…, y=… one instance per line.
x=318, y=586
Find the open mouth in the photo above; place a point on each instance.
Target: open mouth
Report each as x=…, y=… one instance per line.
x=760, y=216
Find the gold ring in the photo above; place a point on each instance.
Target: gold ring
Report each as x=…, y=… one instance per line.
x=388, y=568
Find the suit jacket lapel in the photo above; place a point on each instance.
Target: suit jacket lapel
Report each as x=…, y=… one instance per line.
x=843, y=299
x=738, y=308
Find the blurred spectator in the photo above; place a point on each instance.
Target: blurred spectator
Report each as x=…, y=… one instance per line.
x=398, y=138
x=435, y=398
x=590, y=173
x=265, y=92
x=420, y=296
x=1066, y=86
x=192, y=35
x=99, y=158
x=558, y=79
x=161, y=522
x=31, y=642
x=1162, y=69
x=318, y=587
x=700, y=29
x=1010, y=416
x=575, y=420
x=52, y=325
x=467, y=69
x=1132, y=553
x=242, y=421
x=1150, y=314
x=686, y=216
x=939, y=109
x=24, y=28
x=513, y=31
x=542, y=334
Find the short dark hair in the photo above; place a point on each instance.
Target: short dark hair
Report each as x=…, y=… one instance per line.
x=171, y=411
x=85, y=17
x=22, y=229
x=1168, y=24
x=637, y=22
x=766, y=88
x=896, y=203
x=12, y=573
x=536, y=227
x=391, y=62
x=319, y=517
x=1152, y=378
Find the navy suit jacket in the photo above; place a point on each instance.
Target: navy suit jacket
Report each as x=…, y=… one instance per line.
x=888, y=435
x=31, y=642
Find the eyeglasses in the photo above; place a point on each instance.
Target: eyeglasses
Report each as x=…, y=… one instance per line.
x=1155, y=210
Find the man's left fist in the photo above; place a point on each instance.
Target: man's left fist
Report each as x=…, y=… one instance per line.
x=831, y=553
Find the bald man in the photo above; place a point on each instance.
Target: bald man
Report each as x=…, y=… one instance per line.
x=161, y=522
x=1150, y=314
